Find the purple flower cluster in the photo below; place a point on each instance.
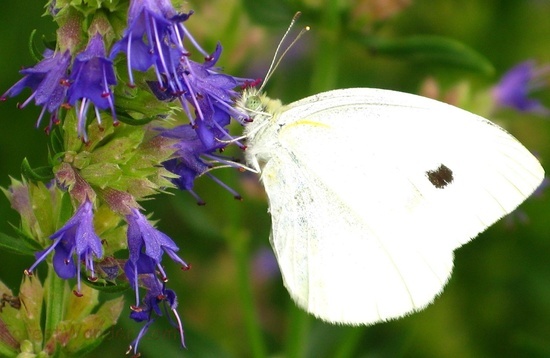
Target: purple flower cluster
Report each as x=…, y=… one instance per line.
x=147, y=246
x=76, y=242
x=76, y=238
x=154, y=38
x=157, y=295
x=56, y=85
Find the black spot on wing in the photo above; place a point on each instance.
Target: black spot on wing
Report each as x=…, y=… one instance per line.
x=440, y=177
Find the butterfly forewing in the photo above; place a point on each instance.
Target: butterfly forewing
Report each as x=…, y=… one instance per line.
x=370, y=192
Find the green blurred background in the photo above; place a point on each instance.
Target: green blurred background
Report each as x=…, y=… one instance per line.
x=497, y=302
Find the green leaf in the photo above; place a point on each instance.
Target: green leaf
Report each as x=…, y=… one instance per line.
x=124, y=117
x=101, y=174
x=56, y=142
x=79, y=307
x=31, y=294
x=66, y=210
x=28, y=240
x=106, y=286
x=17, y=245
x=12, y=328
x=91, y=329
x=430, y=49
x=90, y=7
x=43, y=174
x=43, y=201
x=32, y=49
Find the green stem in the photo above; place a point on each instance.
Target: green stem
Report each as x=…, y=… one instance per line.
x=232, y=28
x=327, y=61
x=239, y=243
x=348, y=345
x=240, y=246
x=56, y=293
x=298, y=328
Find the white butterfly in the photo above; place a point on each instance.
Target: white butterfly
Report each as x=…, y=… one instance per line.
x=370, y=192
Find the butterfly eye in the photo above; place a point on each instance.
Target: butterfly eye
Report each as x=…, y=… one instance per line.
x=253, y=103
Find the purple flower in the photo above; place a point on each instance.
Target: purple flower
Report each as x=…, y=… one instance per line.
x=517, y=84
x=146, y=246
x=189, y=164
x=89, y=81
x=212, y=95
x=157, y=295
x=153, y=38
x=49, y=82
x=76, y=238
x=91, y=76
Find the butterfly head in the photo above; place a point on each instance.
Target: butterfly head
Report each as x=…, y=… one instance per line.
x=251, y=103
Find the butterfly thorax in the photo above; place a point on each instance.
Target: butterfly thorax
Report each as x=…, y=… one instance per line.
x=260, y=130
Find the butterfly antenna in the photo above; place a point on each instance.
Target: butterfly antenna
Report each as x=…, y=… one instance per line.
x=276, y=58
